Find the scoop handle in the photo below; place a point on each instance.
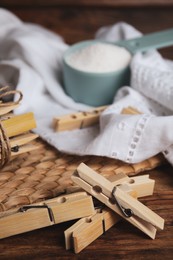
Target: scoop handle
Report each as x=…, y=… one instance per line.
x=147, y=42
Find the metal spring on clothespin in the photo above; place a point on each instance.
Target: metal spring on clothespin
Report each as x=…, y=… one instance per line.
x=127, y=212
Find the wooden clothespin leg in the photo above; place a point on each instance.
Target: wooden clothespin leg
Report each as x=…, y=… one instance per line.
x=119, y=201
x=6, y=109
x=19, y=124
x=46, y=213
x=21, y=144
x=142, y=185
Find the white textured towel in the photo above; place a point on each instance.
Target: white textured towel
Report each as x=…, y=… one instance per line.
x=30, y=60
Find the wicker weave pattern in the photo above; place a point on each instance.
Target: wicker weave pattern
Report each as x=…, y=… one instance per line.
x=45, y=173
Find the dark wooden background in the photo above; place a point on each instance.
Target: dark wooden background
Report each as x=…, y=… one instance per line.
x=75, y=21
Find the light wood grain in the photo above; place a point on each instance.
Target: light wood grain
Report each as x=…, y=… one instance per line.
x=4, y=110
x=22, y=139
x=19, y=124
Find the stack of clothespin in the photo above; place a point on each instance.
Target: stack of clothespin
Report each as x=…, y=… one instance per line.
x=118, y=196
x=14, y=129
x=119, y=199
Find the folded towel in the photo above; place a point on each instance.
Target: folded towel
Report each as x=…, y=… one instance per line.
x=31, y=61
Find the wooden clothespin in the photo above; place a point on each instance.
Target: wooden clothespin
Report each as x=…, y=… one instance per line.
x=119, y=201
x=6, y=109
x=78, y=120
x=84, y=119
x=15, y=135
x=46, y=213
x=86, y=230
x=21, y=144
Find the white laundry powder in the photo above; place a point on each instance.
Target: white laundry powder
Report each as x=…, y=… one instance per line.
x=99, y=58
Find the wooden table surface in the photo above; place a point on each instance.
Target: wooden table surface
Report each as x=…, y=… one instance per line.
x=77, y=21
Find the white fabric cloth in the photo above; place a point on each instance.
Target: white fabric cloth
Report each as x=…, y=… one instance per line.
x=30, y=60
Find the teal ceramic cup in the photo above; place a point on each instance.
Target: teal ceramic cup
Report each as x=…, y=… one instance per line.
x=98, y=89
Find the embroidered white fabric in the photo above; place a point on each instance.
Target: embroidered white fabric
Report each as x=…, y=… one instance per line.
x=31, y=58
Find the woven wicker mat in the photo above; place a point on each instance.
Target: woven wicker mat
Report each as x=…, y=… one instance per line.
x=45, y=173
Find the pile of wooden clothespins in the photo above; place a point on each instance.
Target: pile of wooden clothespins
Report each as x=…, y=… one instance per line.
x=119, y=199
x=117, y=196
x=14, y=129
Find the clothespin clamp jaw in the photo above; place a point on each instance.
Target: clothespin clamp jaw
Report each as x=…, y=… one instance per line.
x=44, y=206
x=119, y=201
